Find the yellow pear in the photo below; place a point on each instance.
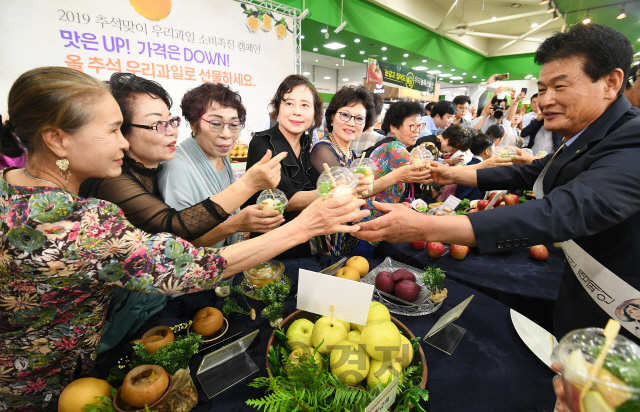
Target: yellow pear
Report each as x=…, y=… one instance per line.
x=377, y=311
x=326, y=333
x=299, y=355
x=354, y=336
x=349, y=362
x=383, y=372
x=359, y=263
x=348, y=273
x=381, y=340
x=406, y=352
x=299, y=334
x=81, y=392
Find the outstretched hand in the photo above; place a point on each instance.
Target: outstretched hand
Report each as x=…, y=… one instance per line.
x=266, y=173
x=399, y=224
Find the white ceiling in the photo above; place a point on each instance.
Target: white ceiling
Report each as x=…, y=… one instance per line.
x=510, y=33
x=314, y=59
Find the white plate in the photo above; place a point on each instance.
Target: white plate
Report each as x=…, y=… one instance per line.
x=534, y=336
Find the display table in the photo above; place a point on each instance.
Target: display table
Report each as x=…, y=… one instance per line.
x=491, y=369
x=513, y=278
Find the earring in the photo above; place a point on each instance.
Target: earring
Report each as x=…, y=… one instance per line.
x=63, y=165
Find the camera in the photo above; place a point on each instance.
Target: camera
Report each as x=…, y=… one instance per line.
x=498, y=111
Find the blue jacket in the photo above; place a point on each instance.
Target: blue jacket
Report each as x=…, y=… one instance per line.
x=468, y=192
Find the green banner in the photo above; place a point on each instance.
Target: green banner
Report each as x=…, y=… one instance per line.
x=380, y=72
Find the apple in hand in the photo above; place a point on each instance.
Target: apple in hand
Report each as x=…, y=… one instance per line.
x=458, y=252
x=511, y=200
x=418, y=245
x=435, y=249
x=538, y=252
x=482, y=204
x=384, y=282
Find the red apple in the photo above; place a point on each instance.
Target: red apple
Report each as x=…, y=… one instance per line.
x=492, y=195
x=435, y=249
x=458, y=252
x=407, y=290
x=418, y=245
x=482, y=204
x=384, y=282
x=538, y=252
x=511, y=200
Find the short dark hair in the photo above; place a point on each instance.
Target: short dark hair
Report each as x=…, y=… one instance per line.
x=126, y=86
x=350, y=96
x=632, y=72
x=627, y=317
x=602, y=48
x=458, y=136
x=428, y=107
x=443, y=107
x=480, y=142
x=288, y=84
x=495, y=100
x=378, y=102
x=496, y=131
x=535, y=96
x=196, y=102
x=461, y=100
x=396, y=114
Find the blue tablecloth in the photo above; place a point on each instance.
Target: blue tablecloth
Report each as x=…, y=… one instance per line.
x=513, y=278
x=490, y=370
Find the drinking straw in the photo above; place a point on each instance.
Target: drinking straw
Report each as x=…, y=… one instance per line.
x=610, y=333
x=326, y=168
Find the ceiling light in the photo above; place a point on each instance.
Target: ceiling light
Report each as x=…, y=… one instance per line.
x=336, y=64
x=342, y=55
x=315, y=49
x=327, y=77
x=304, y=14
x=587, y=19
x=434, y=72
x=439, y=65
x=406, y=55
x=556, y=16
x=543, y=2
x=384, y=58
x=513, y=6
x=457, y=78
x=464, y=74
x=323, y=31
x=345, y=80
x=361, y=51
x=450, y=81
x=425, y=60
x=384, y=48
x=340, y=27
x=461, y=82
x=533, y=78
x=493, y=18
x=302, y=36
x=419, y=68
x=534, y=25
x=481, y=80
x=622, y=14
x=528, y=76
x=404, y=63
x=306, y=73
x=316, y=59
x=445, y=75
x=334, y=45
x=551, y=7
x=357, y=40
x=475, y=77
x=453, y=70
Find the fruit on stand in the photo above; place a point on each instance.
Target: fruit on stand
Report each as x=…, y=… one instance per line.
x=348, y=272
x=354, y=336
x=418, y=245
x=300, y=355
x=383, y=372
x=299, y=334
x=81, y=392
x=538, y=252
x=458, y=252
x=381, y=339
x=207, y=321
x=326, y=333
x=405, y=356
x=435, y=249
x=385, y=282
x=239, y=150
x=511, y=200
x=500, y=199
x=360, y=264
x=403, y=274
x=157, y=337
x=349, y=362
x=482, y=204
x=144, y=385
x=407, y=290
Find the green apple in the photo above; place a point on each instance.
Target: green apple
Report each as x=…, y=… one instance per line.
x=383, y=372
x=406, y=352
x=326, y=333
x=299, y=355
x=354, y=336
x=349, y=362
x=595, y=402
x=381, y=340
x=299, y=334
x=377, y=311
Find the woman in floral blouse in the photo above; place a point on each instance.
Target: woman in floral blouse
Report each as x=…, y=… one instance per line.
x=61, y=256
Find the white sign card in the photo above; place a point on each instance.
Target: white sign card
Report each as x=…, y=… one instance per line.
x=450, y=316
x=318, y=292
x=385, y=400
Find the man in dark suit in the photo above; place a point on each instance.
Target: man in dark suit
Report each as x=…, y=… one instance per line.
x=591, y=187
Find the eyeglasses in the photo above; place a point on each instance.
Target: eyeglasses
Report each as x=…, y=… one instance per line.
x=216, y=126
x=415, y=127
x=346, y=117
x=633, y=78
x=160, y=126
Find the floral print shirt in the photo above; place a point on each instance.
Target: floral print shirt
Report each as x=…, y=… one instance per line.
x=389, y=157
x=61, y=257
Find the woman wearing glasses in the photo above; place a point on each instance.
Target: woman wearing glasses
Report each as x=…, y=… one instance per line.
x=152, y=132
x=202, y=169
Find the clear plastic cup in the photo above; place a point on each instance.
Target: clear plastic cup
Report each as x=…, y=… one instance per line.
x=528, y=151
x=612, y=387
x=421, y=156
x=273, y=199
x=542, y=153
x=345, y=183
x=368, y=168
x=509, y=152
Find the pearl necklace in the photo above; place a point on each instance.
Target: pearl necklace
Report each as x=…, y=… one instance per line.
x=347, y=155
x=37, y=178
